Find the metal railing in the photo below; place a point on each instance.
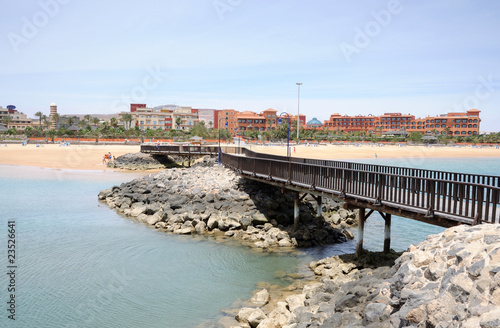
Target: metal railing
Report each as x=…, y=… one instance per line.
x=462, y=197
x=461, y=201
x=185, y=149
x=490, y=180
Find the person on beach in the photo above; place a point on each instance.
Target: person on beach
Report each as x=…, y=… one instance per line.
x=104, y=159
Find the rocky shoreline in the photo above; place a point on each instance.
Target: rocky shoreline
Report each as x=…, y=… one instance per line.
x=213, y=200
x=141, y=162
x=449, y=280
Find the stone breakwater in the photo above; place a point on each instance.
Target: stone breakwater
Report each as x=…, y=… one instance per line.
x=450, y=280
x=140, y=161
x=216, y=201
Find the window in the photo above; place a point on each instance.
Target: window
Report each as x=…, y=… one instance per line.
x=464, y=125
x=475, y=121
x=474, y=125
x=457, y=125
x=463, y=132
x=470, y=126
x=443, y=125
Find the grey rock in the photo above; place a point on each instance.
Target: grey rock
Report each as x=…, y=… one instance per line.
x=256, y=317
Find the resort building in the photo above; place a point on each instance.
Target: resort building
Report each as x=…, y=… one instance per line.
x=458, y=124
x=163, y=118
x=252, y=121
x=314, y=124
x=11, y=118
x=188, y=118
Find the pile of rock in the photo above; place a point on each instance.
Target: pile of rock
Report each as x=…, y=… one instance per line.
x=449, y=280
x=214, y=200
x=140, y=161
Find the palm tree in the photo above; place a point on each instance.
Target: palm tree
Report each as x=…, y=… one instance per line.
x=39, y=115
x=95, y=121
x=70, y=121
x=87, y=118
x=82, y=125
x=47, y=122
x=178, y=122
x=113, y=122
x=126, y=119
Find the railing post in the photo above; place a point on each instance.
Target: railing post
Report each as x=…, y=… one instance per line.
x=430, y=198
x=480, y=196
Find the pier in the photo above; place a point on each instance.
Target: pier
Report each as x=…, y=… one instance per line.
x=436, y=197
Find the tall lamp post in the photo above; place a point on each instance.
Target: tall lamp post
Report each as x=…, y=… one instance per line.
x=280, y=121
x=225, y=125
x=298, y=112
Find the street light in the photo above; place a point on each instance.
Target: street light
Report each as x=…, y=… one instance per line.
x=280, y=121
x=298, y=112
x=225, y=125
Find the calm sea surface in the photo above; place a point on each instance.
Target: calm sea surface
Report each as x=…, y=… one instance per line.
x=79, y=264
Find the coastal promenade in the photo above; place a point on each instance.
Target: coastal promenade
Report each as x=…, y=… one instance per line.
x=440, y=198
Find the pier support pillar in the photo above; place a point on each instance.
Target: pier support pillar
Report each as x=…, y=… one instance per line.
x=296, y=204
x=361, y=231
x=319, y=211
x=387, y=233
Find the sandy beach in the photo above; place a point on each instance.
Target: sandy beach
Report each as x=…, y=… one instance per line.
x=89, y=157
x=74, y=157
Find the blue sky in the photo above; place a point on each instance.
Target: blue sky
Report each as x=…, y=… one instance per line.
x=353, y=57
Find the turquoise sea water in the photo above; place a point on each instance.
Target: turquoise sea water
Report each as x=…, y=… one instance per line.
x=82, y=265
x=79, y=264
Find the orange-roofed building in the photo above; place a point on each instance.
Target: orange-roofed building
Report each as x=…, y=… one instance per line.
x=457, y=124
